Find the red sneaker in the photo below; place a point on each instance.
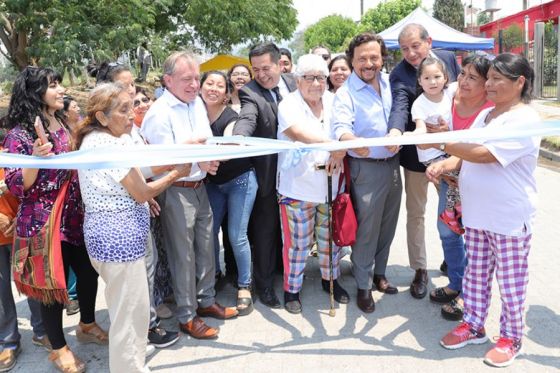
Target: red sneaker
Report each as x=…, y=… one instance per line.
x=463, y=335
x=503, y=353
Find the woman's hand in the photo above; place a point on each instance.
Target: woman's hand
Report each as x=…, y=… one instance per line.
x=7, y=225
x=42, y=150
x=434, y=171
x=450, y=180
x=441, y=126
x=334, y=164
x=154, y=208
x=210, y=167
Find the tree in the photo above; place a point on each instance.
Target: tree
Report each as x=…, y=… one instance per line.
x=386, y=14
x=297, y=46
x=482, y=18
x=331, y=31
x=450, y=12
x=512, y=37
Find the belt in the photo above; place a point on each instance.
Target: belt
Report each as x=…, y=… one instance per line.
x=374, y=160
x=188, y=184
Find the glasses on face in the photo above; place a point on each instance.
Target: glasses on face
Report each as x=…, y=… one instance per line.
x=312, y=78
x=240, y=73
x=137, y=102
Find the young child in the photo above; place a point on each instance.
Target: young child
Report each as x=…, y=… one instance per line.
x=432, y=106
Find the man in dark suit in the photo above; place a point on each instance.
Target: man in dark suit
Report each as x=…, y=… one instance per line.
x=259, y=117
x=415, y=45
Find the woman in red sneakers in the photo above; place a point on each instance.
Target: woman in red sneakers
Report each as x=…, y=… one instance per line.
x=498, y=192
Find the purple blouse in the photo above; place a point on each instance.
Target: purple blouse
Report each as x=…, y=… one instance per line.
x=37, y=202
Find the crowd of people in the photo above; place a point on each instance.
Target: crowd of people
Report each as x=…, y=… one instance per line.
x=152, y=233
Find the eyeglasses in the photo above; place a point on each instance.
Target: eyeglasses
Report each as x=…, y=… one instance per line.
x=326, y=57
x=247, y=75
x=137, y=102
x=311, y=78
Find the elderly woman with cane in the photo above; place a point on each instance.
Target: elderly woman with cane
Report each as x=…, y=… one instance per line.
x=498, y=191
x=304, y=116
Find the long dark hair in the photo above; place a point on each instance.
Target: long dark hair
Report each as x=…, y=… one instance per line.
x=27, y=99
x=331, y=64
x=512, y=66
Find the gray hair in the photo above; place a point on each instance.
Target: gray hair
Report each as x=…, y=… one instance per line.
x=311, y=63
x=171, y=61
x=411, y=28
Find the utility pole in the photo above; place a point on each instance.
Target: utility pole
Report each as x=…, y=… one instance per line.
x=361, y=8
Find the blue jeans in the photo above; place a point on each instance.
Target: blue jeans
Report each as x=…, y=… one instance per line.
x=236, y=197
x=454, y=250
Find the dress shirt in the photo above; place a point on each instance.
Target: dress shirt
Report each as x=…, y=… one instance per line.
x=359, y=110
x=172, y=121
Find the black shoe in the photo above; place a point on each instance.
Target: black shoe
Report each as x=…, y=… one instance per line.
x=443, y=267
x=161, y=338
x=383, y=286
x=365, y=300
x=292, y=303
x=419, y=286
x=268, y=297
x=340, y=295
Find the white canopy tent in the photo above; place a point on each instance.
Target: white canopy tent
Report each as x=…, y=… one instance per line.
x=443, y=36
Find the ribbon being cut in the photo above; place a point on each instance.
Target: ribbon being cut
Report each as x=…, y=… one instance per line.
x=223, y=148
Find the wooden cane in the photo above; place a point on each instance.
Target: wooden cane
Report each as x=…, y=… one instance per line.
x=332, y=311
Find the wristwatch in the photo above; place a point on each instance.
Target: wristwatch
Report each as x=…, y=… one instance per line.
x=442, y=146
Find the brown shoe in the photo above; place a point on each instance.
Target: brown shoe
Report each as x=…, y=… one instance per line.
x=198, y=329
x=365, y=300
x=419, y=286
x=65, y=361
x=218, y=312
x=382, y=285
x=8, y=358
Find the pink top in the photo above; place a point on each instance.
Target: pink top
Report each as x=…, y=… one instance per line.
x=460, y=123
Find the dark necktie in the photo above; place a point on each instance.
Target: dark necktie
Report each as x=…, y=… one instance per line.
x=276, y=91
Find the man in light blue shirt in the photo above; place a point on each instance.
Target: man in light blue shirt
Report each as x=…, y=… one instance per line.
x=361, y=110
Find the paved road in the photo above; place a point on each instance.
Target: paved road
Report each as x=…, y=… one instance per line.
x=400, y=336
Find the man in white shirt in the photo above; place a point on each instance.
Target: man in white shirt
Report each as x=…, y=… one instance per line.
x=179, y=116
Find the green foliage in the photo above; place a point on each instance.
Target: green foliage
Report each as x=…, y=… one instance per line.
x=482, y=18
x=450, y=12
x=386, y=14
x=512, y=37
x=297, y=46
x=550, y=66
x=331, y=31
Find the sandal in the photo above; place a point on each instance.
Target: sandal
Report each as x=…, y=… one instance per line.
x=439, y=295
x=244, y=301
x=91, y=333
x=65, y=361
x=453, y=310
x=452, y=223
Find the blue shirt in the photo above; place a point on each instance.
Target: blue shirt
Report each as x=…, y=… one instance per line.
x=358, y=109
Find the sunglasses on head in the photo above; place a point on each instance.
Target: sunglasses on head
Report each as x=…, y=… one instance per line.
x=137, y=102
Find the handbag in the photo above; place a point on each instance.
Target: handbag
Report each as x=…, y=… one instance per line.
x=344, y=220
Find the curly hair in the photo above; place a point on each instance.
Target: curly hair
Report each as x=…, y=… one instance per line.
x=27, y=100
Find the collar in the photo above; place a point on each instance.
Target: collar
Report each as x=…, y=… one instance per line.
x=358, y=84
x=172, y=101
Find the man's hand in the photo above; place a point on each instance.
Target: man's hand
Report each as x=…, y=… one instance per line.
x=394, y=133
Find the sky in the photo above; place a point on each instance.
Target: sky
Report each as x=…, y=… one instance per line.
x=310, y=11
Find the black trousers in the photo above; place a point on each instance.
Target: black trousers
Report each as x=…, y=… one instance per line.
x=264, y=235
x=77, y=258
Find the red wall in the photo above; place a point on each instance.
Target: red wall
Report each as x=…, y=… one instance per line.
x=539, y=13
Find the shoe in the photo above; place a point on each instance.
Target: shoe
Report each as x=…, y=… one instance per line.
x=365, y=301
x=463, y=335
x=443, y=267
x=244, y=301
x=198, y=329
x=268, y=297
x=163, y=312
x=419, y=286
x=73, y=307
x=42, y=342
x=292, y=304
x=91, y=333
x=439, y=295
x=217, y=311
x=503, y=353
x=453, y=310
x=340, y=295
x=150, y=350
x=8, y=358
x=65, y=361
x=383, y=286
x=452, y=222
x=161, y=338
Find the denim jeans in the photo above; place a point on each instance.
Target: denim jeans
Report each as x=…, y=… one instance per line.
x=236, y=197
x=454, y=251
